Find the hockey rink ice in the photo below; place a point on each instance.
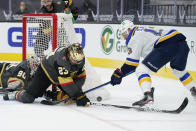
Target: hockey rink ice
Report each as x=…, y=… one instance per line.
x=169, y=94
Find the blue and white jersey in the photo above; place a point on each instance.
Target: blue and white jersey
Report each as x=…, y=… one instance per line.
x=142, y=40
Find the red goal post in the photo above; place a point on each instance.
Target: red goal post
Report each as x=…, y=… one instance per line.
x=43, y=33
x=53, y=17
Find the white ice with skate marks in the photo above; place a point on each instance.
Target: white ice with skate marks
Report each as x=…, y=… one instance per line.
x=169, y=94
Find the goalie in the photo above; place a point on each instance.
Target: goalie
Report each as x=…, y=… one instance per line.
x=16, y=76
x=64, y=68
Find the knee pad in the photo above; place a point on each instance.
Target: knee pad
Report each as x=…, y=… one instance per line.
x=178, y=73
x=142, y=69
x=25, y=97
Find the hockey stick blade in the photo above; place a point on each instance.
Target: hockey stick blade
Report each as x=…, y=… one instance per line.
x=180, y=109
x=177, y=111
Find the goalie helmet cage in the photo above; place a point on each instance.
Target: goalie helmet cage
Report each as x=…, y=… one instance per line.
x=43, y=33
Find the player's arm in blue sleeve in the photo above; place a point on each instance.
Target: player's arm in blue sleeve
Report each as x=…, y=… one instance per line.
x=128, y=67
x=132, y=61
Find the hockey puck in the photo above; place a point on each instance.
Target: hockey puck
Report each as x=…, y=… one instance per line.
x=99, y=98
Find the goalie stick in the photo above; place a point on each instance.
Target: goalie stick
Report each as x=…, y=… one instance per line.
x=176, y=111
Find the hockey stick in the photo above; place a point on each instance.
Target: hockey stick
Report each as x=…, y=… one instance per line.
x=48, y=102
x=177, y=111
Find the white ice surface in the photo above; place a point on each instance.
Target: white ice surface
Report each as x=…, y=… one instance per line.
x=169, y=94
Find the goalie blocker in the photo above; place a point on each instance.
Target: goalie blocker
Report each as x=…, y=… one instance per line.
x=65, y=68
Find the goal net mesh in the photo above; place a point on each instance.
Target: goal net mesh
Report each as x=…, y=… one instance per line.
x=44, y=33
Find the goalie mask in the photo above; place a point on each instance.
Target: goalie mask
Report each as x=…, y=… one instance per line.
x=33, y=63
x=75, y=53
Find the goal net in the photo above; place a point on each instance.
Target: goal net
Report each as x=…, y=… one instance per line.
x=43, y=33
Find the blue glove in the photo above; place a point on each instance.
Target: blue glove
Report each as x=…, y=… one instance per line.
x=116, y=77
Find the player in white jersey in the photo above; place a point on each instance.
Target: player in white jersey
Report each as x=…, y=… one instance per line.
x=157, y=47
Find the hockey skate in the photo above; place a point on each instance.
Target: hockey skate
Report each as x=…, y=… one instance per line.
x=193, y=92
x=148, y=98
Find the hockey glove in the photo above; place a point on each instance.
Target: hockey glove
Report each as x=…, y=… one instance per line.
x=116, y=77
x=82, y=100
x=14, y=86
x=50, y=95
